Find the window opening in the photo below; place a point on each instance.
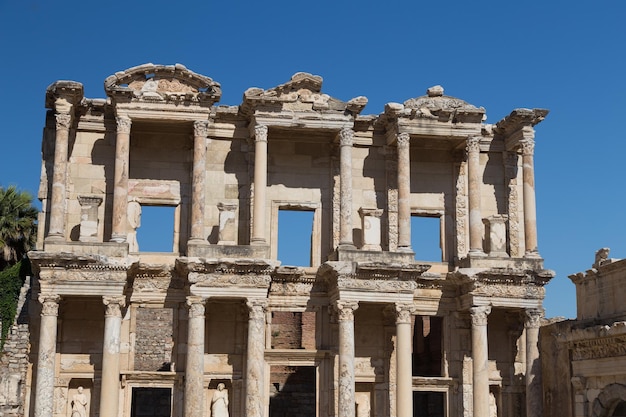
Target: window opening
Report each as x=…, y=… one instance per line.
x=292, y=391
x=295, y=231
x=427, y=346
x=428, y=404
x=426, y=237
x=151, y=402
x=153, y=227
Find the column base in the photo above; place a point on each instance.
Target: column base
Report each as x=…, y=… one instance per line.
x=475, y=253
x=257, y=241
x=532, y=254
x=118, y=238
x=54, y=237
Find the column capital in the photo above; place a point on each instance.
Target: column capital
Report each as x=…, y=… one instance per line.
x=404, y=311
x=346, y=136
x=260, y=133
x=532, y=318
x=123, y=124
x=256, y=308
x=528, y=146
x=195, y=303
x=113, y=305
x=479, y=315
x=345, y=309
x=201, y=128
x=403, y=140
x=473, y=144
x=49, y=304
x=63, y=120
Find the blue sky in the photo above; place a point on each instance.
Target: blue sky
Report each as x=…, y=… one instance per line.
x=567, y=56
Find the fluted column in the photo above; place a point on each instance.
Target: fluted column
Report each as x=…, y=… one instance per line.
x=475, y=216
x=56, y=230
x=404, y=192
x=345, y=316
x=345, y=171
x=200, y=132
x=110, y=389
x=44, y=389
x=404, y=367
x=255, y=359
x=534, y=396
x=120, y=179
x=480, y=360
x=194, y=371
x=530, y=209
x=260, y=185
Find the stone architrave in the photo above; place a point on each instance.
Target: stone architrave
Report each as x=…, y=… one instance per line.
x=227, y=226
x=404, y=368
x=200, y=133
x=120, y=179
x=89, y=218
x=480, y=360
x=474, y=197
x=496, y=231
x=260, y=185
x=403, y=141
x=346, y=137
x=530, y=209
x=110, y=389
x=44, y=389
x=59, y=172
x=194, y=371
x=345, y=317
x=255, y=360
x=370, y=228
x=534, y=396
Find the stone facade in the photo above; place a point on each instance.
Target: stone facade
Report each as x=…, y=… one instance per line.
x=590, y=351
x=367, y=328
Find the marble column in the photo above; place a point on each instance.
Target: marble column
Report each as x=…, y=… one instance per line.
x=404, y=367
x=530, y=209
x=480, y=360
x=346, y=137
x=255, y=359
x=345, y=316
x=194, y=371
x=534, y=395
x=56, y=231
x=120, y=179
x=44, y=388
x=200, y=132
x=404, y=192
x=260, y=185
x=475, y=216
x=110, y=389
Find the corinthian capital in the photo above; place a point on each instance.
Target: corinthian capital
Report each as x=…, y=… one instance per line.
x=260, y=133
x=256, y=309
x=63, y=120
x=403, y=139
x=123, y=124
x=479, y=315
x=346, y=137
x=201, y=128
x=473, y=144
x=113, y=305
x=345, y=309
x=528, y=146
x=533, y=318
x=196, y=306
x=49, y=304
x=404, y=311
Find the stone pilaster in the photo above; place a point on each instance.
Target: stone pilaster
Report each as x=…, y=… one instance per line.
x=510, y=169
x=44, y=388
x=345, y=316
x=404, y=191
x=480, y=360
x=194, y=371
x=260, y=185
x=200, y=132
x=475, y=216
x=120, y=179
x=255, y=359
x=530, y=209
x=346, y=137
x=534, y=395
x=110, y=390
x=56, y=230
x=404, y=367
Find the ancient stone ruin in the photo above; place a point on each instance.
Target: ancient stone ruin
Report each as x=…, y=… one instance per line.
x=218, y=324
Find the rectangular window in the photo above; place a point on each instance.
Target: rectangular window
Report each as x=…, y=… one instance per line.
x=154, y=228
x=151, y=402
x=292, y=391
x=426, y=237
x=427, y=346
x=295, y=231
x=428, y=404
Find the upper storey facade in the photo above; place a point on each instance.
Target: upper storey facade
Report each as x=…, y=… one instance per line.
x=160, y=138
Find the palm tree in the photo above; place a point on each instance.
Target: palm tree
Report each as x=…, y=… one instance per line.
x=18, y=225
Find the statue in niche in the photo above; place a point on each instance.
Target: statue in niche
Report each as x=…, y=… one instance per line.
x=493, y=405
x=219, y=403
x=134, y=221
x=79, y=404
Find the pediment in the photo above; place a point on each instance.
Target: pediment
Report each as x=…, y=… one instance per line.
x=157, y=83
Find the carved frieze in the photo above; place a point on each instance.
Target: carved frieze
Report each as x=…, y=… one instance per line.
x=599, y=348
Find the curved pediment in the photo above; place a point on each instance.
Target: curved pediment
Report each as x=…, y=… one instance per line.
x=302, y=92
x=150, y=82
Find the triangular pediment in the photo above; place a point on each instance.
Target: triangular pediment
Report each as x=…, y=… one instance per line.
x=156, y=83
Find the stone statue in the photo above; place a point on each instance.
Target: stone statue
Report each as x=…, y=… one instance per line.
x=134, y=221
x=219, y=403
x=602, y=257
x=79, y=404
x=493, y=405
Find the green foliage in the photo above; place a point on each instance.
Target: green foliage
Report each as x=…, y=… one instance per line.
x=11, y=280
x=18, y=225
